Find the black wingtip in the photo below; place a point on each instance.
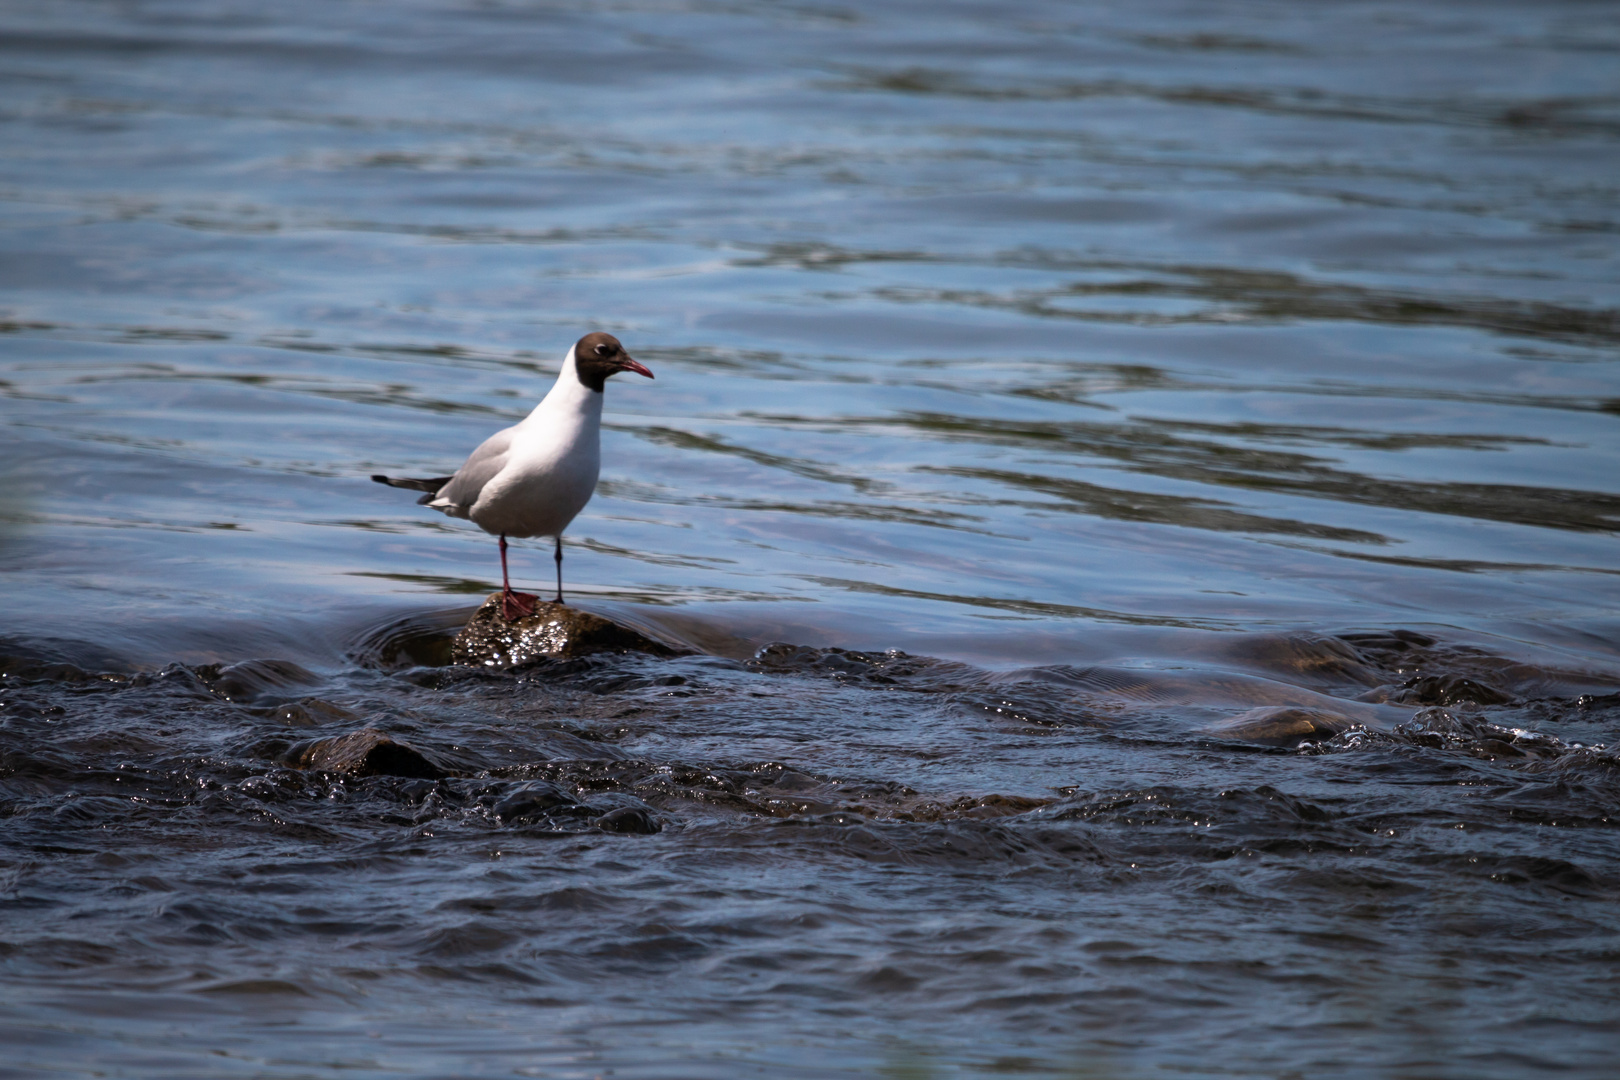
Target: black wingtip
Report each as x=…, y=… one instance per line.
x=413, y=483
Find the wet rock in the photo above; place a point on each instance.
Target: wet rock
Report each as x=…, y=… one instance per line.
x=1303, y=659
x=1415, y=669
x=846, y=665
x=367, y=752
x=57, y=660
x=1438, y=690
x=421, y=639
x=254, y=680
x=1450, y=690
x=1438, y=729
x=554, y=630
x=15, y=670
x=531, y=800
x=309, y=712
x=627, y=819
x=1281, y=725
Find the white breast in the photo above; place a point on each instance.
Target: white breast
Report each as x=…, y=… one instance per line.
x=552, y=467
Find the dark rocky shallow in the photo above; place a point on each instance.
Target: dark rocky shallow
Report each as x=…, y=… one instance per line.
x=551, y=631
x=816, y=840
x=1218, y=404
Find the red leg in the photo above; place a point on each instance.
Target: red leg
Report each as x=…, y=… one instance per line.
x=514, y=605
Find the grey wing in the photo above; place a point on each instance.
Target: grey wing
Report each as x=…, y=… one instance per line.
x=457, y=497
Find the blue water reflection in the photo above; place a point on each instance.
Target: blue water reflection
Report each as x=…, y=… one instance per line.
x=1018, y=335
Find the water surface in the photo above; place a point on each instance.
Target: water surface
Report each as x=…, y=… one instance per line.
x=1112, y=386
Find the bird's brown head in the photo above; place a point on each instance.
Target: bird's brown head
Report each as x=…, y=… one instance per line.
x=597, y=356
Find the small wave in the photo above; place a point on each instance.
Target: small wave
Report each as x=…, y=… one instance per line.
x=1442, y=729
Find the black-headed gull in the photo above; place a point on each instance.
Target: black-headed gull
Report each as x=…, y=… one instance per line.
x=532, y=478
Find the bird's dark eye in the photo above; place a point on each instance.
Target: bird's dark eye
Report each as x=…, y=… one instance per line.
x=603, y=350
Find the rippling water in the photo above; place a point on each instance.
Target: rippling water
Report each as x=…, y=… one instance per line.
x=1138, y=483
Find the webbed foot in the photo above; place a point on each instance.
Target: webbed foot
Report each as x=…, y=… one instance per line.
x=517, y=605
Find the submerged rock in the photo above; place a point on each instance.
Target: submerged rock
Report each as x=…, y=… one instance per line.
x=420, y=639
x=367, y=752
x=628, y=819
x=532, y=800
x=554, y=630
x=253, y=680
x=1450, y=690
x=1287, y=725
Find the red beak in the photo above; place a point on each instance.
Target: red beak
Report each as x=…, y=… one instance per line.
x=628, y=364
